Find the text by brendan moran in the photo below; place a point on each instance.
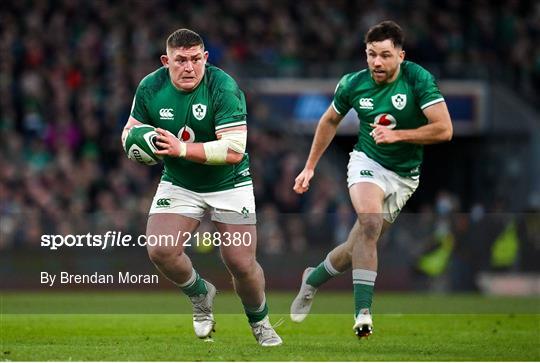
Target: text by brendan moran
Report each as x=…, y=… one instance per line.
x=66, y=278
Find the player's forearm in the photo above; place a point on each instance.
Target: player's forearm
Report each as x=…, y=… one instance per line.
x=325, y=133
x=428, y=134
x=228, y=149
x=128, y=126
x=125, y=132
x=195, y=152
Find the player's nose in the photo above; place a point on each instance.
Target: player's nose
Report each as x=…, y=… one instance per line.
x=189, y=66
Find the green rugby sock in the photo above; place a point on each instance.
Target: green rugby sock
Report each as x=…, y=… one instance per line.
x=364, y=284
x=257, y=314
x=194, y=286
x=322, y=273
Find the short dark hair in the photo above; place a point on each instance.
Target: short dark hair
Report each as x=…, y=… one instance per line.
x=184, y=38
x=385, y=30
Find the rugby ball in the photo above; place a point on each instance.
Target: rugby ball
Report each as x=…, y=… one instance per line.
x=140, y=145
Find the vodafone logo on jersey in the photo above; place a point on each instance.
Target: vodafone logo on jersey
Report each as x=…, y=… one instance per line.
x=186, y=134
x=385, y=119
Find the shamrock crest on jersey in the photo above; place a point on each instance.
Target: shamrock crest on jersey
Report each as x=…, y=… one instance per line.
x=399, y=101
x=199, y=111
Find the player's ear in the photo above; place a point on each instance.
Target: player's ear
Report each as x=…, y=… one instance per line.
x=401, y=55
x=205, y=54
x=164, y=60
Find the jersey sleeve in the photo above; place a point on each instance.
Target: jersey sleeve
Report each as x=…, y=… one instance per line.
x=230, y=108
x=426, y=89
x=341, y=102
x=139, y=110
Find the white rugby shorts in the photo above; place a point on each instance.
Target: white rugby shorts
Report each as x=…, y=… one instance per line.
x=233, y=206
x=397, y=189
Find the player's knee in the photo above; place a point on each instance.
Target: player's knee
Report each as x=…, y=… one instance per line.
x=160, y=256
x=241, y=268
x=370, y=227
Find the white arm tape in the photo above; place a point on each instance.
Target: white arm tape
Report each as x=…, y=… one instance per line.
x=216, y=151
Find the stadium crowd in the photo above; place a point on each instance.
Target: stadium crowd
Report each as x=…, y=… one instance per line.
x=69, y=68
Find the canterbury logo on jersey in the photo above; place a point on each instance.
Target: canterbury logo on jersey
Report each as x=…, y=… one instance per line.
x=366, y=173
x=366, y=103
x=166, y=114
x=163, y=202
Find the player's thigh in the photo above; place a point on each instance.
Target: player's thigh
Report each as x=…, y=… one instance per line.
x=367, y=183
x=166, y=234
x=238, y=244
x=233, y=213
x=174, y=214
x=367, y=198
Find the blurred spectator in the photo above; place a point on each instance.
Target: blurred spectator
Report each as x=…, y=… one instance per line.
x=528, y=230
x=270, y=232
x=295, y=233
x=343, y=223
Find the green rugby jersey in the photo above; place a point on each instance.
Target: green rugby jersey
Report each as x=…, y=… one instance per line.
x=397, y=105
x=215, y=104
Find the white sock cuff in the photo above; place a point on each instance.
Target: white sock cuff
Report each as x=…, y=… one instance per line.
x=328, y=266
x=191, y=280
x=364, y=277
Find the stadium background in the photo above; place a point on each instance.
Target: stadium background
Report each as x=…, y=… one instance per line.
x=69, y=70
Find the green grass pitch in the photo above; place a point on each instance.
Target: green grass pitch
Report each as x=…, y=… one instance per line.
x=150, y=326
